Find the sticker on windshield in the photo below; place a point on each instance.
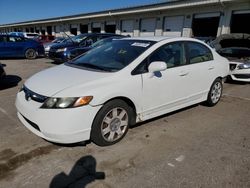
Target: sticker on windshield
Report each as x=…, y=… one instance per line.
x=140, y=44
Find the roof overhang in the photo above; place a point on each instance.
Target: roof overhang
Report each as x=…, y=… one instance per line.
x=174, y=4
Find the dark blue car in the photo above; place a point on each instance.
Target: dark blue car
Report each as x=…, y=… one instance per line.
x=61, y=52
x=17, y=46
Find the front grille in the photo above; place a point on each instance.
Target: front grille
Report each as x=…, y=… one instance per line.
x=35, y=126
x=242, y=76
x=232, y=66
x=33, y=96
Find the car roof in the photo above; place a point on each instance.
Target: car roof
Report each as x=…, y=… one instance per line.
x=12, y=35
x=153, y=38
x=162, y=38
x=98, y=34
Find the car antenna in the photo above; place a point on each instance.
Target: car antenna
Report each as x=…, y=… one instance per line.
x=68, y=36
x=66, y=33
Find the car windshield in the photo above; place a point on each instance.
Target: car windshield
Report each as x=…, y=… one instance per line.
x=78, y=38
x=101, y=42
x=58, y=40
x=236, y=52
x=112, y=56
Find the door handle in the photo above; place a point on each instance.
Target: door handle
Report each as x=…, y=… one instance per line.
x=211, y=68
x=183, y=73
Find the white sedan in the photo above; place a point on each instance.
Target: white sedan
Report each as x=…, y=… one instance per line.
x=239, y=58
x=100, y=94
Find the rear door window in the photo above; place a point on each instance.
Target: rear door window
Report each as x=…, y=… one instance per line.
x=172, y=54
x=197, y=53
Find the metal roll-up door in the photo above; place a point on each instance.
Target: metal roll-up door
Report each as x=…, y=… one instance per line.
x=173, y=26
x=239, y=21
x=127, y=27
x=206, y=24
x=147, y=27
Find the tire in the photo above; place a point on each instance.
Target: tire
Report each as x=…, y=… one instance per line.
x=215, y=93
x=30, y=53
x=111, y=123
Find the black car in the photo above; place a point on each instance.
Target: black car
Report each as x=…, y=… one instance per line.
x=80, y=50
x=60, y=52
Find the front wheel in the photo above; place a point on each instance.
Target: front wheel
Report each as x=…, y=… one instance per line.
x=30, y=54
x=215, y=93
x=111, y=123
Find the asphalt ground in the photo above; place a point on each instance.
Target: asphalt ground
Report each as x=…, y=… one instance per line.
x=195, y=147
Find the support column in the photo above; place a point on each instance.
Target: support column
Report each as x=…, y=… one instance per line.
x=78, y=29
x=102, y=27
x=226, y=20
x=118, y=27
x=136, y=27
x=159, y=24
x=90, y=27
x=187, y=27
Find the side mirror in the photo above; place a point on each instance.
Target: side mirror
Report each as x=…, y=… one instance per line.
x=157, y=66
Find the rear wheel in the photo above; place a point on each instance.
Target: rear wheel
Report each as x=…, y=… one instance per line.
x=111, y=123
x=215, y=93
x=30, y=53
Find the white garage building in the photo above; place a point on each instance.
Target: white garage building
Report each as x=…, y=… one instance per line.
x=198, y=18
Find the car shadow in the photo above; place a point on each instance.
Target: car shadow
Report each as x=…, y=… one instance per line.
x=56, y=63
x=9, y=81
x=78, y=144
x=19, y=58
x=82, y=173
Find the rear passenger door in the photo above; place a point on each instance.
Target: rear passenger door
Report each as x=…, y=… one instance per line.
x=202, y=67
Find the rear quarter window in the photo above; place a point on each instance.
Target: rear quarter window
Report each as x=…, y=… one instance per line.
x=198, y=53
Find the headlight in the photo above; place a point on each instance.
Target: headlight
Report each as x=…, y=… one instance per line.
x=47, y=48
x=244, y=66
x=69, y=102
x=61, y=50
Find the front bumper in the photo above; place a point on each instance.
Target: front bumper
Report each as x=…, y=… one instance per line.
x=57, y=56
x=56, y=125
x=239, y=74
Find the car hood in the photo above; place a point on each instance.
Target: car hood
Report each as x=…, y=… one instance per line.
x=64, y=45
x=54, y=80
x=48, y=44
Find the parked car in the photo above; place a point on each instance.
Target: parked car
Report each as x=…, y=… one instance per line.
x=16, y=46
x=236, y=48
x=49, y=44
x=24, y=34
x=70, y=54
x=44, y=38
x=2, y=72
x=58, y=52
x=99, y=95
